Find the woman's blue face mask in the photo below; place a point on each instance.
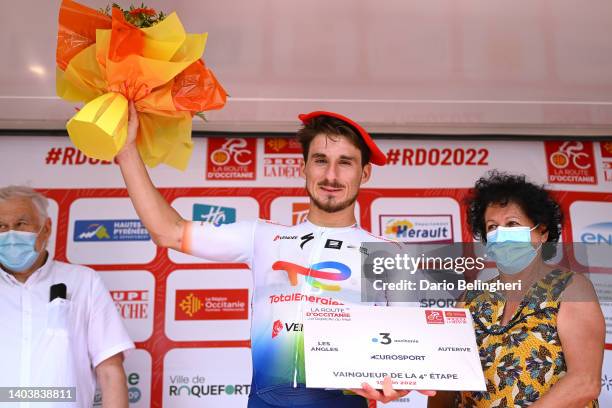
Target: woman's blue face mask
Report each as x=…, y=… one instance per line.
x=511, y=248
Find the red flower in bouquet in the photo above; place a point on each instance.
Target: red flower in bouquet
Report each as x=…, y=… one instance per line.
x=143, y=10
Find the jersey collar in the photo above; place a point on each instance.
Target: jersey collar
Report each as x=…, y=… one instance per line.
x=335, y=229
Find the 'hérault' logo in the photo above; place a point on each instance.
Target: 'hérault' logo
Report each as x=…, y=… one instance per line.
x=417, y=228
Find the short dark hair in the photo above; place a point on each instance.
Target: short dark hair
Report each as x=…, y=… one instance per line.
x=332, y=128
x=502, y=188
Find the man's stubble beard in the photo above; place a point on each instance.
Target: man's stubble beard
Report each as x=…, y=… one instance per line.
x=329, y=206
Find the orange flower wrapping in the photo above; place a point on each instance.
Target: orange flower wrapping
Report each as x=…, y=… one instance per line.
x=106, y=62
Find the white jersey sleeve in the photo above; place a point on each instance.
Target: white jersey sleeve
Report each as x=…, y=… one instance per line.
x=224, y=243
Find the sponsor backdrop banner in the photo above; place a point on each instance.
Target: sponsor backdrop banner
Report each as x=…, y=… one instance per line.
x=190, y=318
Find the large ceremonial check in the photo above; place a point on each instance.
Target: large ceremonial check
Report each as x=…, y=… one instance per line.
x=424, y=349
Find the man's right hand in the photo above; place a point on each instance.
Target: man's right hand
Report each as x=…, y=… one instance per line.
x=132, y=124
x=132, y=130
x=164, y=224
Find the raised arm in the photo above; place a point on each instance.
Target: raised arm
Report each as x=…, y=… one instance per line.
x=164, y=224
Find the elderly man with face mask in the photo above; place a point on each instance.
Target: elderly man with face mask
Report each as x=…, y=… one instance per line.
x=60, y=327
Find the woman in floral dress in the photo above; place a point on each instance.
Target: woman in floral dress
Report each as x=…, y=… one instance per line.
x=541, y=346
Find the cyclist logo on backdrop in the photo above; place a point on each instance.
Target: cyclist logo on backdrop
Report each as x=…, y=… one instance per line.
x=231, y=159
x=571, y=162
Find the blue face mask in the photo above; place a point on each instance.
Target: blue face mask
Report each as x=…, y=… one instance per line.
x=17, y=250
x=511, y=248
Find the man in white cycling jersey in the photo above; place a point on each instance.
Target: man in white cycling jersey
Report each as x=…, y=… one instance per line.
x=315, y=262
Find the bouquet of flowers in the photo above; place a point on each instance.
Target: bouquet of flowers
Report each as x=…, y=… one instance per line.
x=109, y=57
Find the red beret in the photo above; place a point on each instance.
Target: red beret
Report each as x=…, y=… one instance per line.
x=376, y=155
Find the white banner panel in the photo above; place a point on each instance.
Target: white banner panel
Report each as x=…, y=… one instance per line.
x=209, y=304
x=134, y=295
x=202, y=378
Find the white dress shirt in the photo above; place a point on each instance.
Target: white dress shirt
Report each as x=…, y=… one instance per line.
x=59, y=343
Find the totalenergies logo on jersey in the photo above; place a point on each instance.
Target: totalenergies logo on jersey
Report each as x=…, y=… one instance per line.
x=321, y=270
